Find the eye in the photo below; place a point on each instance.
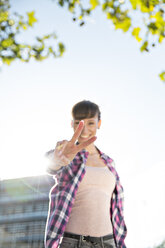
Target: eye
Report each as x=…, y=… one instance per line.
x=91, y=123
x=76, y=122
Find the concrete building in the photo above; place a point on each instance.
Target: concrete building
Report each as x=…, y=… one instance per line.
x=23, y=211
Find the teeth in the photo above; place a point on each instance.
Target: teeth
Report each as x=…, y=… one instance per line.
x=84, y=136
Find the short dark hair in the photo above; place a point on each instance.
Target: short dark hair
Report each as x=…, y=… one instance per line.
x=85, y=109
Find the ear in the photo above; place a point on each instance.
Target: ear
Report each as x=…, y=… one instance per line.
x=99, y=124
x=72, y=123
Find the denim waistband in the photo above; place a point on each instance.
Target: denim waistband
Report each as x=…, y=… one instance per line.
x=88, y=238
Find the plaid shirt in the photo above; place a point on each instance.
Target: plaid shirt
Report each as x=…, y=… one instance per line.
x=62, y=197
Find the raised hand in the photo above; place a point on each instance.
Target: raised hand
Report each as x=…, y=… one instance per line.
x=65, y=151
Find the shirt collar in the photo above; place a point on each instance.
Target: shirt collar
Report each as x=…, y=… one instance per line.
x=84, y=154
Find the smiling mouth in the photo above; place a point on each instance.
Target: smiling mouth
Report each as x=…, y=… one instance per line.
x=84, y=136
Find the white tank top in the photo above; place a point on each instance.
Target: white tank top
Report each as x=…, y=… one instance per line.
x=90, y=214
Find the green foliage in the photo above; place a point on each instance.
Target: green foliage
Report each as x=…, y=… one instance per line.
x=149, y=32
x=144, y=47
x=121, y=20
x=162, y=77
x=135, y=33
x=11, y=49
x=122, y=14
x=94, y=4
x=31, y=18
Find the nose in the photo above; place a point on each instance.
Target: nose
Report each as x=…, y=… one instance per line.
x=85, y=129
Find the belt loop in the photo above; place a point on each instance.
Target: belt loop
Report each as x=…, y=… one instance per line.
x=102, y=242
x=80, y=241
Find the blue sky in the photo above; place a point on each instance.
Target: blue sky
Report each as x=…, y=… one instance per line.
x=104, y=66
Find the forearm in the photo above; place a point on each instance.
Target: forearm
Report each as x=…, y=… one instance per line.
x=52, y=165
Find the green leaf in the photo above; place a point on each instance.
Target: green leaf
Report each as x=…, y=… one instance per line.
x=104, y=6
x=7, y=60
x=94, y=4
x=61, y=48
x=124, y=25
x=160, y=23
x=31, y=18
x=4, y=16
x=144, y=47
x=71, y=7
x=61, y=3
x=135, y=33
x=162, y=76
x=161, y=38
x=146, y=9
x=109, y=15
x=145, y=6
x=153, y=28
x=134, y=3
x=7, y=43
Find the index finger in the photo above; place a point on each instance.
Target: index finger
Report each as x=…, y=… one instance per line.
x=77, y=132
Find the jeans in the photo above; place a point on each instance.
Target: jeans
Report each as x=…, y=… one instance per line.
x=74, y=243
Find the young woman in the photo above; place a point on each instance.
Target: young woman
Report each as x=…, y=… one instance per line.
x=86, y=203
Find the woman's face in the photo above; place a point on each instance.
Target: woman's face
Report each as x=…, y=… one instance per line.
x=90, y=128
